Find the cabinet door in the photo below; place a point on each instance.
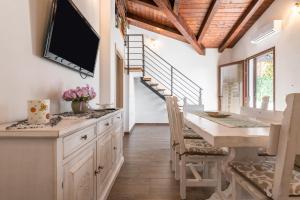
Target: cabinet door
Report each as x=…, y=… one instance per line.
x=104, y=162
x=79, y=176
x=117, y=143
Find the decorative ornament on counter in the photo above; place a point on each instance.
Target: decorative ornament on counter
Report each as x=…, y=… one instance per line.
x=54, y=120
x=38, y=111
x=80, y=98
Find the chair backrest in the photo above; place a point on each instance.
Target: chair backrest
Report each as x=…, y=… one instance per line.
x=192, y=108
x=265, y=102
x=274, y=135
x=287, y=147
x=265, y=115
x=179, y=124
x=171, y=118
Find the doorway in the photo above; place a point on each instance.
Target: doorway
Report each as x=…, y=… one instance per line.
x=231, y=87
x=119, y=80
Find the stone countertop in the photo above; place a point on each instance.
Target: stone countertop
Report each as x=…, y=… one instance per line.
x=63, y=128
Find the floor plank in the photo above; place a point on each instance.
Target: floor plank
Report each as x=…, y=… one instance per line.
x=146, y=173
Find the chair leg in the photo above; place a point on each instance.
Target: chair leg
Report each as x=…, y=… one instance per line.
x=177, y=167
x=219, y=176
x=173, y=159
x=171, y=148
x=183, y=177
x=205, y=169
x=236, y=190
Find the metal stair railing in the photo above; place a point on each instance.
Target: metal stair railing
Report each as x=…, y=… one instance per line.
x=155, y=67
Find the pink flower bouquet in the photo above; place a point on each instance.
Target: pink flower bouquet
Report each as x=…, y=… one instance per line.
x=80, y=94
x=80, y=98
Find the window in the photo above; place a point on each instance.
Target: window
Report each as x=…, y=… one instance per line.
x=260, y=79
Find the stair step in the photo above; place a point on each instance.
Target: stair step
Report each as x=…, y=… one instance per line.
x=134, y=69
x=160, y=89
x=153, y=84
x=147, y=79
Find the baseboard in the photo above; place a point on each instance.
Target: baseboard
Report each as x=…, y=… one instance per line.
x=130, y=131
x=152, y=124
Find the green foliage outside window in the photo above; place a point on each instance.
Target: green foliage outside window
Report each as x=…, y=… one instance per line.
x=264, y=81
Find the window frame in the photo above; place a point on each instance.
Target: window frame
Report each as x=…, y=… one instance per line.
x=245, y=64
x=254, y=58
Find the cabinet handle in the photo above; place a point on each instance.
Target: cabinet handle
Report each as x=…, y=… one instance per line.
x=97, y=172
x=107, y=124
x=115, y=148
x=119, y=117
x=84, y=137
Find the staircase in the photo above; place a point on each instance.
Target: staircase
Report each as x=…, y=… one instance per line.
x=157, y=74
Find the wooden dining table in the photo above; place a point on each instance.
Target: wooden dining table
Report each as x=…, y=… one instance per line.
x=243, y=143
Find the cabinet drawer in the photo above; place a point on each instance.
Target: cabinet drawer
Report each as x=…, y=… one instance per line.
x=78, y=139
x=104, y=125
x=118, y=118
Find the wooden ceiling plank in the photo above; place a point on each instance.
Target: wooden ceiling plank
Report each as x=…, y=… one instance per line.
x=252, y=10
x=208, y=19
x=181, y=25
x=154, y=27
x=146, y=3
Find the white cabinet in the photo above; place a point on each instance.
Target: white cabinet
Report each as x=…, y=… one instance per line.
x=77, y=160
x=79, y=176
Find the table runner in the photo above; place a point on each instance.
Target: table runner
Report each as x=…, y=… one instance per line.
x=233, y=121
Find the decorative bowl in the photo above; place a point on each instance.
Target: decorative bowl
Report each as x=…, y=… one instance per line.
x=218, y=114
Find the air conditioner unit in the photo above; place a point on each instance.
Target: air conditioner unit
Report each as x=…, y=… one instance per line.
x=268, y=31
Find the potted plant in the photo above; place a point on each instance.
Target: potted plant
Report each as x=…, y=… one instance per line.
x=80, y=98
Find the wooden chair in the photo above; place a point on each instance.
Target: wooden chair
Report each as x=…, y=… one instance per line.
x=265, y=102
x=192, y=108
x=193, y=153
x=188, y=134
x=263, y=115
x=171, y=125
x=273, y=180
x=260, y=114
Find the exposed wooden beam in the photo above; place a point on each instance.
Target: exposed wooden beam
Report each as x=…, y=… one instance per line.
x=251, y=14
x=181, y=25
x=208, y=19
x=121, y=6
x=147, y=3
x=155, y=27
x=176, y=6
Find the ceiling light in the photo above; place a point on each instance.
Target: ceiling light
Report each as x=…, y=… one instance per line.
x=296, y=7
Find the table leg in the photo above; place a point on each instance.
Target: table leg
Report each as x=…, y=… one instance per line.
x=235, y=154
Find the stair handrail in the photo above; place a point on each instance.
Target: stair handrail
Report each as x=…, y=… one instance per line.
x=178, y=83
x=173, y=67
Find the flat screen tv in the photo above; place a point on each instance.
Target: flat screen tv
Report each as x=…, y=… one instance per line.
x=71, y=40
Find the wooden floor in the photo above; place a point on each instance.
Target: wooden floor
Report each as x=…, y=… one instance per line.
x=146, y=173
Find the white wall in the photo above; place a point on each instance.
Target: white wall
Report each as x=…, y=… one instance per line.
x=111, y=41
x=200, y=69
x=287, y=45
x=149, y=108
x=24, y=74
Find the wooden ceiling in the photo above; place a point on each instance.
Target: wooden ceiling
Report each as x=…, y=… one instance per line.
x=201, y=23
